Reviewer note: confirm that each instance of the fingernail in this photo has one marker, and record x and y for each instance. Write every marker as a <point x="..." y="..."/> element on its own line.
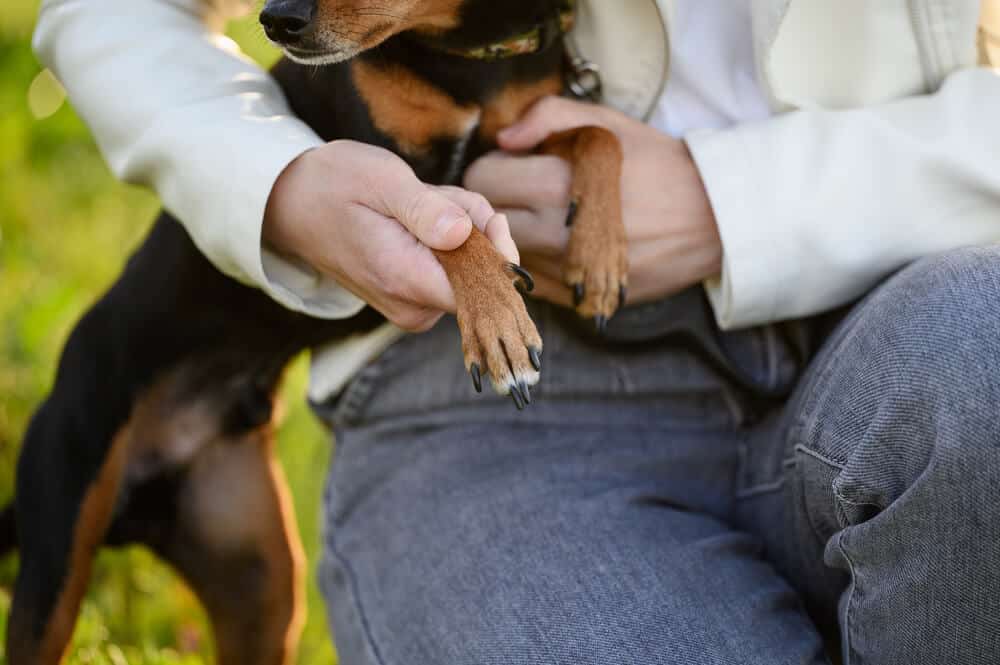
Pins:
<point x="447" y="222"/>
<point x="508" y="134"/>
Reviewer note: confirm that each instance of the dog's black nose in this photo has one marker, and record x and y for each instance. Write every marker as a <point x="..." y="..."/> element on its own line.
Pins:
<point x="285" y="21"/>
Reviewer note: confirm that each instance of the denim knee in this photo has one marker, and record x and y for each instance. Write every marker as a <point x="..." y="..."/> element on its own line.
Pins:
<point x="912" y="377"/>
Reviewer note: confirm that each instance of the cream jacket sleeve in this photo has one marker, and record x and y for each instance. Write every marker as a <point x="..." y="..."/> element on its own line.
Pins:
<point x="816" y="207"/>
<point x="174" y="106"/>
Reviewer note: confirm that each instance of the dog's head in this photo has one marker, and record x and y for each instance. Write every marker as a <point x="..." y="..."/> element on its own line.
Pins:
<point x="322" y="32"/>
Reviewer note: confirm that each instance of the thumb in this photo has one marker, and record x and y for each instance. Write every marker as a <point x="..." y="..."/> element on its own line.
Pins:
<point x="432" y="217"/>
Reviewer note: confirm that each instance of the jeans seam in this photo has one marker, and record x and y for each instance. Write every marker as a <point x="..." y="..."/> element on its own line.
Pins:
<point x="839" y="466"/>
<point x="848" y="646"/>
<point x="841" y="497"/>
<point x="746" y="491"/>
<point x="355" y="397"/>
<point x="809" y="518"/>
<point x="816" y="384"/>
<point x="762" y="488"/>
<point x="331" y="547"/>
<point x="837" y="493"/>
<point x="805" y="450"/>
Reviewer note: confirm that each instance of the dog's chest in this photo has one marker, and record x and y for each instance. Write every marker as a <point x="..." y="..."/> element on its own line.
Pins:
<point x="437" y="135"/>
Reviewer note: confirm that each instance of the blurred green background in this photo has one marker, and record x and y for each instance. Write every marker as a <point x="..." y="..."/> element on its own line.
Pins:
<point x="66" y="227"/>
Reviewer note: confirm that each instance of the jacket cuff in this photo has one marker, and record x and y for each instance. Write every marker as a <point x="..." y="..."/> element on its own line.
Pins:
<point x="292" y="283"/>
<point x="758" y="264"/>
<point x="235" y="205"/>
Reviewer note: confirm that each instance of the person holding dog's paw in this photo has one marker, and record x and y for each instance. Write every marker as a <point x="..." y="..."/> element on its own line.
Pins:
<point x="785" y="446"/>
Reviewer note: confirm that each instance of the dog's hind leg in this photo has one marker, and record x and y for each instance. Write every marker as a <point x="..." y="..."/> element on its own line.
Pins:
<point x="236" y="542"/>
<point x="8" y="530"/>
<point x="69" y="474"/>
<point x="62" y="516"/>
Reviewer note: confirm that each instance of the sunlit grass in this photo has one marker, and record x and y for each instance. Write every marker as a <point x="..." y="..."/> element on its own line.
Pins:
<point x="66" y="227"/>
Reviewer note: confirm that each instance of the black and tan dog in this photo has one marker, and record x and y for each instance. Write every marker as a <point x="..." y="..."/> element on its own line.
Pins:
<point x="158" y="430"/>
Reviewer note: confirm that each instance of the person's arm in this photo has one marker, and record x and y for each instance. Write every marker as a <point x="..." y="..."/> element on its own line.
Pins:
<point x="816" y="207"/>
<point x="174" y="106"/>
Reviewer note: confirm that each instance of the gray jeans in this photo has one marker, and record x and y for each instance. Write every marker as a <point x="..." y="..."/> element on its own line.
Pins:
<point x="679" y="495"/>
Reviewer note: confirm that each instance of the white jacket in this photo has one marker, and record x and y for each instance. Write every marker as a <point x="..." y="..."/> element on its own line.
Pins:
<point x="885" y="148"/>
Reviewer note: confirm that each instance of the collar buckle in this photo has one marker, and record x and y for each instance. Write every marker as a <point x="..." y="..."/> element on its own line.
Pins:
<point x="583" y="78"/>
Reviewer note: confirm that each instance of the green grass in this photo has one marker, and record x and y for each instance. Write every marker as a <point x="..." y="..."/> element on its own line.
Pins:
<point x="66" y="227"/>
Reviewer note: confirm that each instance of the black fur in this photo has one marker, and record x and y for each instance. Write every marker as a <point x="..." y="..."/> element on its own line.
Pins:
<point x="325" y="98"/>
<point x="172" y="311"/>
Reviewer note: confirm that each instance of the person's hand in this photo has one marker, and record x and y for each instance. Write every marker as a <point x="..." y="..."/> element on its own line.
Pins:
<point x="673" y="238"/>
<point x="358" y="214"/>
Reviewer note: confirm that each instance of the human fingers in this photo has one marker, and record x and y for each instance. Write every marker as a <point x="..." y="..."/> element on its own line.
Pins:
<point x="521" y="181"/>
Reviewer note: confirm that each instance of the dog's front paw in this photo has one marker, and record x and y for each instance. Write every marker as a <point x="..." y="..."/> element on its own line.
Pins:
<point x="499" y="340"/>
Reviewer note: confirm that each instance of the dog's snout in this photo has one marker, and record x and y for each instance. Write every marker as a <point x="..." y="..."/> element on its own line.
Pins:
<point x="286" y="21"/>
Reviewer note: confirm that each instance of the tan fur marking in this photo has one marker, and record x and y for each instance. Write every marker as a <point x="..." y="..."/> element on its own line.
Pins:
<point x="512" y="102"/>
<point x="237" y="504"/>
<point x="170" y="430"/>
<point x="354" y="25"/>
<point x="285" y="544"/>
<point x="91" y="525"/>
<point x="410" y="110"/>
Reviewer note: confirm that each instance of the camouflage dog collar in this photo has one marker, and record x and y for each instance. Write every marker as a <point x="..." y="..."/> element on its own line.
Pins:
<point x="533" y="41"/>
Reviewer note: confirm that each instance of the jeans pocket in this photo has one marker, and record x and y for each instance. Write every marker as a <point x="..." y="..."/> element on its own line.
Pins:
<point x="762" y="458"/>
<point x="816" y="479"/>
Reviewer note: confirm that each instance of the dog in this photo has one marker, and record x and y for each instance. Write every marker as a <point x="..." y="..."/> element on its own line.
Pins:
<point x="158" y="429"/>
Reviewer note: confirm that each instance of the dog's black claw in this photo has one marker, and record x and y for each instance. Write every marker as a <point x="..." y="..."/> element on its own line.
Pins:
<point x="622" y="296"/>
<point x="515" y="394"/>
<point x="601" y="322"/>
<point x="578" y="294"/>
<point x="574" y="207"/>
<point x="528" y="280"/>
<point x="477" y="377"/>
<point x="525" y="392"/>
<point x="536" y="358"/>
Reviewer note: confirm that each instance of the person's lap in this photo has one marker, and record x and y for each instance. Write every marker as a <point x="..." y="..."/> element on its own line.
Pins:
<point x="548" y="544"/>
<point x="650" y="525"/>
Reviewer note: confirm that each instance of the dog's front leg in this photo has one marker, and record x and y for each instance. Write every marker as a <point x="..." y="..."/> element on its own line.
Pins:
<point x="596" y="264"/>
<point x="498" y="336"/>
